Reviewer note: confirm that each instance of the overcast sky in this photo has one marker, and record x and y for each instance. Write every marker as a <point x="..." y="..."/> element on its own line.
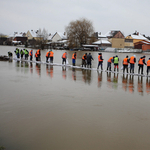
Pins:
<point x="54" y="15"/>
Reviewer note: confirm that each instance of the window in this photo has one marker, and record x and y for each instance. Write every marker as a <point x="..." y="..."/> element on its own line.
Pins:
<point x="129" y="40"/>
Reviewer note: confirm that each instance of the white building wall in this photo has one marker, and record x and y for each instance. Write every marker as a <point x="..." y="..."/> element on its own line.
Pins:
<point x="56" y="38"/>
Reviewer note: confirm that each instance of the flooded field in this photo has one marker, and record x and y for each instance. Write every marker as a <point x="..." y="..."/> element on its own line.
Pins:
<point x="45" y="107"/>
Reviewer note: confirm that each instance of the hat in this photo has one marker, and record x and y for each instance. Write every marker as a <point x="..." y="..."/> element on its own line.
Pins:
<point x="134" y="55"/>
<point x="144" y="56"/>
<point x="51" y="50"/>
<point x="116" y="55"/>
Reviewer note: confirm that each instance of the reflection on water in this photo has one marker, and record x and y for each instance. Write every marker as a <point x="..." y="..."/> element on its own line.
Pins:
<point x="64" y="72"/>
<point x="99" y="78"/>
<point x="125" y="82"/>
<point x="115" y="80"/>
<point x="147" y="85"/>
<point x="131" y="84"/>
<point x="86" y="76"/>
<point x="31" y="67"/>
<point x="128" y="81"/>
<point x="109" y="80"/>
<point x="17" y="63"/>
<point x="74" y="74"/>
<point x="38" y="69"/>
<point x="49" y="70"/>
<point x="140" y="85"/>
<point x="26" y="64"/>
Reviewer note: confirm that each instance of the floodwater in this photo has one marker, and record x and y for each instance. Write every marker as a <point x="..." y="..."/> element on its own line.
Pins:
<point x="45" y="107"/>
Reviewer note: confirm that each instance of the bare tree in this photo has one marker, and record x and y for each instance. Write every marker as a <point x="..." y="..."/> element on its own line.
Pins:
<point x="42" y="37"/>
<point x="79" y="32"/>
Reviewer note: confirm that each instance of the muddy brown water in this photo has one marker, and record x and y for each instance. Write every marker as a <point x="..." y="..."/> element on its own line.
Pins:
<point x="61" y="108"/>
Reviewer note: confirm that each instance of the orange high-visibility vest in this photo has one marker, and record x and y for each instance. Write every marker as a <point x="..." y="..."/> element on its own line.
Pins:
<point x="36" y="55"/>
<point x="51" y="54"/>
<point x="31" y="53"/>
<point x="99" y="59"/>
<point x="64" y="55"/>
<point x="141" y="61"/>
<point x="38" y="52"/>
<point x="84" y="57"/>
<point x="148" y="63"/>
<point x="109" y="60"/>
<point x="73" y="56"/>
<point x="125" y="61"/>
<point x="132" y="60"/>
<point x="47" y="54"/>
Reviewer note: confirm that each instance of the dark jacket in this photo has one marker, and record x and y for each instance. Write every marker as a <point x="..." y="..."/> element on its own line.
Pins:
<point x="89" y="58"/>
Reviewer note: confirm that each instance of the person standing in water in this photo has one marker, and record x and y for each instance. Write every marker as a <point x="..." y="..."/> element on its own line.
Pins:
<point x="116" y="63"/>
<point x="132" y="61"/>
<point x="84" y="58"/>
<point x="74" y="56"/>
<point x="89" y="60"/>
<point x="100" y="61"/>
<point x="125" y="64"/>
<point x="64" y="57"/>
<point x="51" y="56"/>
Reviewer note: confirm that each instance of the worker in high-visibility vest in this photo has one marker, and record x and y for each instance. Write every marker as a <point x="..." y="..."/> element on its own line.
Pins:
<point x="64" y="57"/>
<point x="39" y="54"/>
<point x="116" y="63"/>
<point x="100" y="61"/>
<point x="51" y="56"/>
<point x="110" y="60"/>
<point x="74" y="56"/>
<point x="10" y="54"/>
<point x="141" y="64"/>
<point x="84" y="58"/>
<point x="47" y="56"/>
<point x="31" y="54"/>
<point x="26" y="54"/>
<point x="132" y="61"/>
<point x="125" y="64"/>
<point x="21" y="53"/>
<point x="148" y="66"/>
<point x="36" y="56"/>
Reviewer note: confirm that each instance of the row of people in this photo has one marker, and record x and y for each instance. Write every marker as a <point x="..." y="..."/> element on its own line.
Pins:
<point x="87" y="59"/>
<point x="21" y="53"/>
<point x="129" y="63"/>
<point x="115" y="60"/>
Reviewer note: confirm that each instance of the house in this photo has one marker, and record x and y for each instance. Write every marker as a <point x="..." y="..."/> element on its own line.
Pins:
<point x="59" y="39"/>
<point x="19" y="38"/>
<point x="32" y="35"/>
<point x="59" y="36"/>
<point x="130" y="40"/>
<point x="102" y="41"/>
<point x="144" y="45"/>
<point x="116" y="38"/>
